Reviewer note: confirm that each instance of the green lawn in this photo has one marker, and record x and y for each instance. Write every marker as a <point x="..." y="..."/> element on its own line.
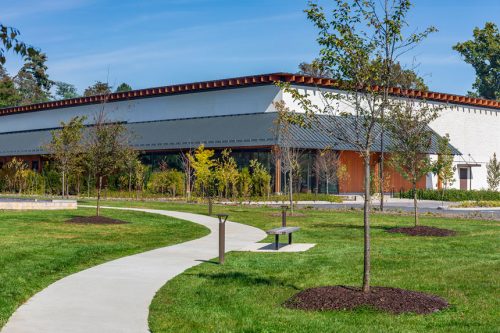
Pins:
<point x="38" y="248"/>
<point x="246" y="294"/>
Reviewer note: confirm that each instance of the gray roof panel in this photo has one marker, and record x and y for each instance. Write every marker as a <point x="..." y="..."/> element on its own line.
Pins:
<point x="248" y="130"/>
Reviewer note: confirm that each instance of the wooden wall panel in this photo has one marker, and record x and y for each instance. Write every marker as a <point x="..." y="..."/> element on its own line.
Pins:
<point x="354" y="182"/>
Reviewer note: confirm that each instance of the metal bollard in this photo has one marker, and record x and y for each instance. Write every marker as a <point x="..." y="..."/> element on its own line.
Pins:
<point x="283" y="215"/>
<point x="222" y="236"/>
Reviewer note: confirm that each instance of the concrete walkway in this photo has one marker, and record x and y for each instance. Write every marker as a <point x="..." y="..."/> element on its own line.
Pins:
<point x="115" y="296"/>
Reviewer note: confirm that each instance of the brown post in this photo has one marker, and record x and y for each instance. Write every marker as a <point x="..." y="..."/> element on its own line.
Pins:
<point x="283" y="215"/>
<point x="222" y="236"/>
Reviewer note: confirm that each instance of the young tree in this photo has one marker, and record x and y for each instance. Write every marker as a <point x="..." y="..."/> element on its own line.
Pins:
<point x="483" y="53"/>
<point x="139" y="176"/>
<point x="99" y="88"/>
<point x="226" y="174"/>
<point x="65" y="148"/>
<point x="287" y="152"/>
<point x="261" y="179"/>
<point x="15" y="173"/>
<point x="443" y="166"/>
<point x="360" y="43"/>
<point x="106" y="148"/>
<point x="326" y="166"/>
<point x="188" y="172"/>
<point x="245" y="183"/>
<point x="493" y="173"/>
<point x="412" y="139"/>
<point x="202" y="163"/>
<point x="131" y="162"/>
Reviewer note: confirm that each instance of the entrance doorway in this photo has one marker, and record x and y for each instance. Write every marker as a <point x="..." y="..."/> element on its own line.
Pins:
<point x="464" y="178"/>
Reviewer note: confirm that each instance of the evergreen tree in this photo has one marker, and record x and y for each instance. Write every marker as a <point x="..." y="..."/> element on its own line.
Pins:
<point x="123" y="87"/>
<point x="493" y="173"/>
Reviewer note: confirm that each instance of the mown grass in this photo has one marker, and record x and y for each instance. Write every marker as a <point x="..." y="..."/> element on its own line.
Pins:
<point x="247" y="293"/>
<point x="38" y="248"/>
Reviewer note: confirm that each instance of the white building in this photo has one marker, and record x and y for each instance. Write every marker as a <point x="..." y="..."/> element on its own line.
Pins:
<point x="237" y="113"/>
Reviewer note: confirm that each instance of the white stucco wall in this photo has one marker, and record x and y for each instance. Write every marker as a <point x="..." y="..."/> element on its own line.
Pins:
<point x="474" y="131"/>
<point x="190" y="105"/>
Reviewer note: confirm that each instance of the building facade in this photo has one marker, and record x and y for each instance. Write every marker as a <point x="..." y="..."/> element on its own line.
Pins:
<point x="240" y="114"/>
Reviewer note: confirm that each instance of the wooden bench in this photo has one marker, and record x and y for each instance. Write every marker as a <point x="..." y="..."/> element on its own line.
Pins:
<point x="282" y="231"/>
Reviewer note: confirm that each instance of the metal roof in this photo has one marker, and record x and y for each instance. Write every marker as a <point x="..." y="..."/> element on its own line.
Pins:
<point x="234" y="131"/>
<point x="239" y="82"/>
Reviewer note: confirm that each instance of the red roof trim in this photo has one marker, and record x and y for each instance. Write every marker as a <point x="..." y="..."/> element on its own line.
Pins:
<point x="242" y="82"/>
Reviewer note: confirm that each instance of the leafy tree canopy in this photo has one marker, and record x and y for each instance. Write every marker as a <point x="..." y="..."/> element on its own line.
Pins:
<point x="9" y="95"/>
<point x="10" y="42"/>
<point x="123" y="87"/>
<point x="400" y="77"/>
<point x="99" y="88"/>
<point x="32" y="80"/>
<point x="483" y="53"/>
<point x="65" y="90"/>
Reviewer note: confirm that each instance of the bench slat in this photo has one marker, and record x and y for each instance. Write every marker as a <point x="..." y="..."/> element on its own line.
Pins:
<point x="282" y="230"/>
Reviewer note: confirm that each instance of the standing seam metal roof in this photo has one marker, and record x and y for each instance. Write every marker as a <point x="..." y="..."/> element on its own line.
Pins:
<point x="245" y="130"/>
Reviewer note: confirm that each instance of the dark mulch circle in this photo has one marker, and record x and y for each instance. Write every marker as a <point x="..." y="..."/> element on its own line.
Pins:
<point x="392" y="300"/>
<point x="94" y="220"/>
<point x="423" y="231"/>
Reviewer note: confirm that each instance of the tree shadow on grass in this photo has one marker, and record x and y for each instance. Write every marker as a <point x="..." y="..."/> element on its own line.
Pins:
<point x="347" y="226"/>
<point x="214" y="262"/>
<point x="245" y="279"/>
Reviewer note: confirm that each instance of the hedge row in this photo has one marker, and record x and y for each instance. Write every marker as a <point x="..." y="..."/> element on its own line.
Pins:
<point x="454" y="195"/>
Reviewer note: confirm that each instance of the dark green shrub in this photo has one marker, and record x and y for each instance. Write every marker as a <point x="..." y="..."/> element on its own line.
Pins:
<point x="453" y="195"/>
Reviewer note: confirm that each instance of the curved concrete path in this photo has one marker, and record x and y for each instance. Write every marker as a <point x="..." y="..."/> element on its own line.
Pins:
<point x="115" y="296"/>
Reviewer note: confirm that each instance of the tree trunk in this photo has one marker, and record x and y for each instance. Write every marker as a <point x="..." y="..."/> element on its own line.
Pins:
<point x="130" y="183"/>
<point x="415" y="204"/>
<point x="317" y="184"/>
<point x="366" y="221"/>
<point x="99" y="196"/>
<point x="88" y="186"/>
<point x="63" y="183"/>
<point x="78" y="185"/>
<point x="290" y="190"/>
<point x="382" y="178"/>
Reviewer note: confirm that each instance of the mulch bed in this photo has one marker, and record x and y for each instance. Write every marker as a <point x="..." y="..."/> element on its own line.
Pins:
<point x="94" y="220"/>
<point x="423" y="231"/>
<point x="392" y="300"/>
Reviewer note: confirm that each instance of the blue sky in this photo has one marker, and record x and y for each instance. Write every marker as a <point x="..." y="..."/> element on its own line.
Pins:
<point x="153" y="43"/>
